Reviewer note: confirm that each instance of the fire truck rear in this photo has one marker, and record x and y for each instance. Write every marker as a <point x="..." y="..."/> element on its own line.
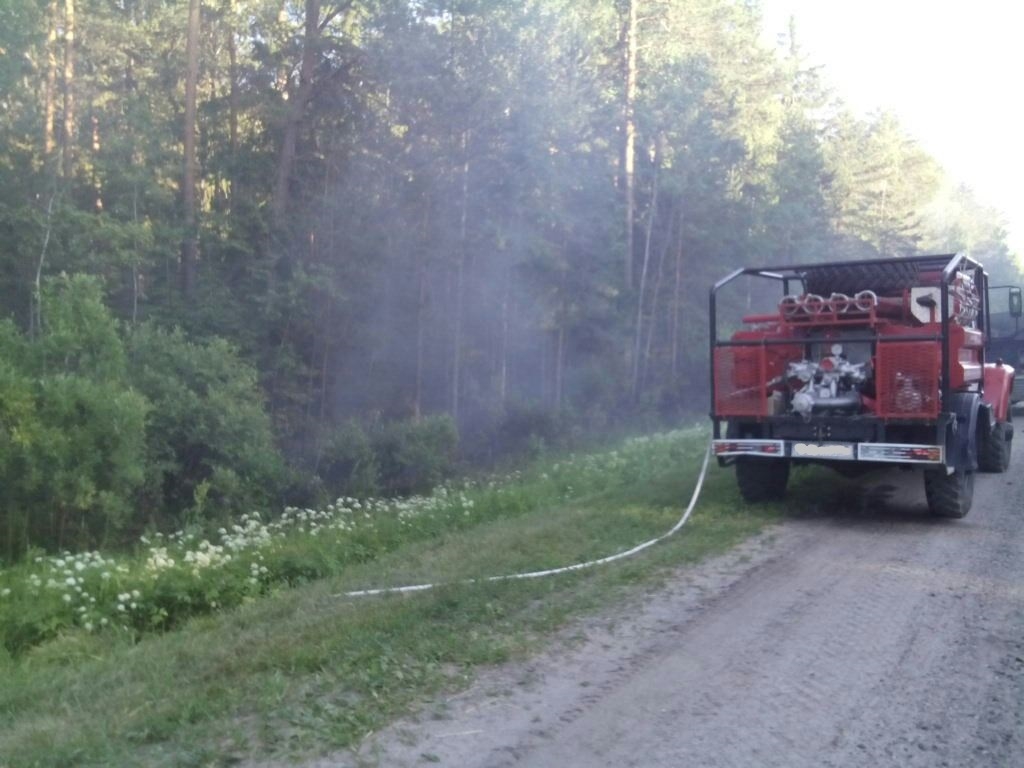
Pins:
<point x="856" y="365"/>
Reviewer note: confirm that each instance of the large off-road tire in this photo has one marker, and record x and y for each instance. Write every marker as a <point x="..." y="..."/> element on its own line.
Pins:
<point x="891" y="277"/>
<point x="949" y="495"/>
<point x="994" y="449"/>
<point x="761" y="479"/>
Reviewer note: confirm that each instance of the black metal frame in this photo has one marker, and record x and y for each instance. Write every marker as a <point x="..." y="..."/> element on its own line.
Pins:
<point x="949" y="264"/>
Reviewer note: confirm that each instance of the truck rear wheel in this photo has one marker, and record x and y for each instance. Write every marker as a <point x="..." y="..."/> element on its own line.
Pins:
<point x="761" y="479"/>
<point x="949" y="495"/>
<point x="994" y="450"/>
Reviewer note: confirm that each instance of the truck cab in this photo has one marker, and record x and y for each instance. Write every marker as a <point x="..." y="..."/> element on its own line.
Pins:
<point x="1006" y="335"/>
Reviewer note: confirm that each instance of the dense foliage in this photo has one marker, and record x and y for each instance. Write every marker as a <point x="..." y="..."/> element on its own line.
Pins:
<point x="108" y="430"/>
<point x="506" y="212"/>
<point x="171" y="578"/>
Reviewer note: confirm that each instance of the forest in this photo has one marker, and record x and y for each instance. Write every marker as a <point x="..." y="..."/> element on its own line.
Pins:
<point x="259" y="253"/>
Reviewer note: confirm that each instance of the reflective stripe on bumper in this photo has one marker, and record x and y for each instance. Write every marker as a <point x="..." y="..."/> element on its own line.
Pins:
<point x="898" y="453"/>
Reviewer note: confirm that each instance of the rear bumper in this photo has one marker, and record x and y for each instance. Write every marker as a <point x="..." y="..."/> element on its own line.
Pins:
<point x="800" y="450"/>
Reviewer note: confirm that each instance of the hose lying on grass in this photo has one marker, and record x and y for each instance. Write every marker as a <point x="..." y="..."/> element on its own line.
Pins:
<point x="564" y="569"/>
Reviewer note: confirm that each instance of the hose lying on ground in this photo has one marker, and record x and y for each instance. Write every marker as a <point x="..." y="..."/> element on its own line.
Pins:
<point x="564" y="569"/>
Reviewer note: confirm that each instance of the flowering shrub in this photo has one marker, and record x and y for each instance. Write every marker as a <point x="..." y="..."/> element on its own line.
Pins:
<point x="173" y="577"/>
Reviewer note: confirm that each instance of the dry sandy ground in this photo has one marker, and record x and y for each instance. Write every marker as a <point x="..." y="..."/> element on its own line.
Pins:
<point x="875" y="638"/>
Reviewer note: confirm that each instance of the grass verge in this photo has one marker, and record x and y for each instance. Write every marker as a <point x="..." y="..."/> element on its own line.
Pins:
<point x="302" y="670"/>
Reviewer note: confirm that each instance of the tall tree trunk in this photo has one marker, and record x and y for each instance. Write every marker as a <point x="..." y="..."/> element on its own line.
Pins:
<point x="97" y="183"/>
<point x="190" y="243"/>
<point x="311" y="258"/>
<point x="36" y="307"/>
<point x="562" y="321"/>
<point x="543" y="378"/>
<point x="324" y="365"/>
<point x="656" y="293"/>
<point x="297" y="108"/>
<point x="232" y="106"/>
<point x="68" y="158"/>
<point x="460" y="279"/>
<point x="421" y="312"/>
<point x="503" y="343"/>
<point x="560" y="361"/>
<point x="50" y="92"/>
<point x="136" y="278"/>
<point x="638" y="335"/>
<point x="676" y="291"/>
<point x="629" y="151"/>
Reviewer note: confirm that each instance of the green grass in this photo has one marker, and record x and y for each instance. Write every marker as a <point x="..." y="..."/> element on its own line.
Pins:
<point x="301" y="669"/>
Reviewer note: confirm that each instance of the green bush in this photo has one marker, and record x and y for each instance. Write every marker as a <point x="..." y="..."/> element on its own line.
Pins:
<point x="101" y="434"/>
<point x="71" y="427"/>
<point x="396" y="458"/>
<point x="349" y="466"/>
<point x="209" y="444"/>
<point x="527" y="430"/>
<point x="415" y="456"/>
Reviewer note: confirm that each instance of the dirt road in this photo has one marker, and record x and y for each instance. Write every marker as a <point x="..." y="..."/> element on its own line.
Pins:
<point x="871" y="638"/>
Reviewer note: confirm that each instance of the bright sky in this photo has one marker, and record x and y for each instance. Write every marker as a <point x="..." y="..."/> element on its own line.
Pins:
<point x="951" y="70"/>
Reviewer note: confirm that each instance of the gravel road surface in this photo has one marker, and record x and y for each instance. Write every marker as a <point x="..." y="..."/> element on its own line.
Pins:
<point x="876" y="637"/>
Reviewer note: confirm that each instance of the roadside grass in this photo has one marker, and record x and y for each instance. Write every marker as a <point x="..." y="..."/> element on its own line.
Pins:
<point x="302" y="669"/>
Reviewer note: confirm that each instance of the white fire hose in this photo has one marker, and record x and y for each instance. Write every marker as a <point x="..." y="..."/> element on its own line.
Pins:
<point x="564" y="569"/>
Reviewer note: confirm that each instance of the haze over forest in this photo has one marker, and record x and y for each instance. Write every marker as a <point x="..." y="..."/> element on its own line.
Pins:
<point x="368" y="217"/>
